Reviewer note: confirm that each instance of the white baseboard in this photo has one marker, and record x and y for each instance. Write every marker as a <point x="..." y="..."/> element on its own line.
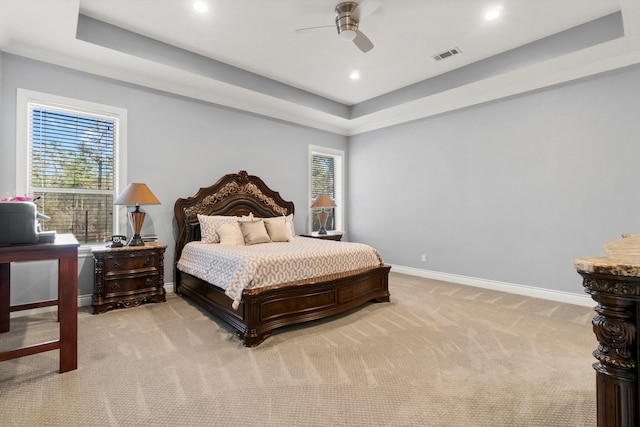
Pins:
<point x="530" y="291"/>
<point x="83" y="301"/>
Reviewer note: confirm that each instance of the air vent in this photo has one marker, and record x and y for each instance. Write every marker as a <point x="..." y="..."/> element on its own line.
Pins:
<point x="447" y="54"/>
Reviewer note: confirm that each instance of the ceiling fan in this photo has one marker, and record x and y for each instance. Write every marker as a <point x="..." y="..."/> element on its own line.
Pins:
<point x="347" y="20"/>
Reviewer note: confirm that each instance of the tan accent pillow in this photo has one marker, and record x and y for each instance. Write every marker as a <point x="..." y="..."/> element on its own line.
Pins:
<point x="278" y="229"/>
<point x="209" y="226"/>
<point x="289" y="219"/>
<point x="254" y="232"/>
<point x="230" y="234"/>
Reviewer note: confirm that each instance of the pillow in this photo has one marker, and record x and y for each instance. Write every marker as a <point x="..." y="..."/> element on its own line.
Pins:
<point x="289" y="219"/>
<point x="254" y="232"/>
<point x="209" y="225"/>
<point x="278" y="229"/>
<point x="230" y="234"/>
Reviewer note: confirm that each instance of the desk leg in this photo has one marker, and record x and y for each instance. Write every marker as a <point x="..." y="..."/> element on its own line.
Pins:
<point x="5" y="296"/>
<point x="68" y="312"/>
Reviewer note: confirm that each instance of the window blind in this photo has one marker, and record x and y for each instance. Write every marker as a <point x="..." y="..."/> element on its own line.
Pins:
<point x="72" y="170"/>
<point x="323" y="181"/>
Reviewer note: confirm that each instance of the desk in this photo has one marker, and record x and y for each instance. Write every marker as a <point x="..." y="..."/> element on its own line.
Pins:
<point x="65" y="250"/>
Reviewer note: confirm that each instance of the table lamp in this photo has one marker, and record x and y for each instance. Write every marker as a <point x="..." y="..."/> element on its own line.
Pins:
<point x="136" y="194"/>
<point x="323" y="201"/>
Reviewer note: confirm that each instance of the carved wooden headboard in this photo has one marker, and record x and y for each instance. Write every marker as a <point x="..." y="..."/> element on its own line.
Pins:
<point x="235" y="194"/>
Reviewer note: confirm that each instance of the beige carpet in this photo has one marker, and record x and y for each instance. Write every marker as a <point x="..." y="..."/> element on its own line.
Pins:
<point x="439" y="354"/>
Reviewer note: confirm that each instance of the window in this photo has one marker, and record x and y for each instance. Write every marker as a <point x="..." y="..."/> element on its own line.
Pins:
<point x="325" y="166"/>
<point x="69" y="160"/>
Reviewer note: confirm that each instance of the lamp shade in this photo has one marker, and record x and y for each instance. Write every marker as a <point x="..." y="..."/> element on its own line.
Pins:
<point x="137" y="194"/>
<point x="323" y="201"/>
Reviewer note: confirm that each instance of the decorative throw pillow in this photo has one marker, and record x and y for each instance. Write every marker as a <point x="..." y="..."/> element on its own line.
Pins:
<point x="209" y="225"/>
<point x="230" y="234"/>
<point x="292" y="230"/>
<point x="254" y="232"/>
<point x="278" y="229"/>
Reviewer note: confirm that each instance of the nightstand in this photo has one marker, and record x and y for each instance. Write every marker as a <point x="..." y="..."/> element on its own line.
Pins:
<point x="331" y="235"/>
<point x="128" y="276"/>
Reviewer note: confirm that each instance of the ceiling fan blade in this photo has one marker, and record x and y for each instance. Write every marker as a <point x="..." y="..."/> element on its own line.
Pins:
<point x="304" y="30"/>
<point x="363" y="42"/>
<point x="367" y="7"/>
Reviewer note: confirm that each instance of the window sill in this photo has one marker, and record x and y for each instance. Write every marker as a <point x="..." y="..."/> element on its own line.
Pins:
<point x="85" y="249"/>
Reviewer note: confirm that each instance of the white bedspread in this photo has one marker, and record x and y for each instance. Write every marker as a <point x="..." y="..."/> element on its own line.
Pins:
<point x="235" y="268"/>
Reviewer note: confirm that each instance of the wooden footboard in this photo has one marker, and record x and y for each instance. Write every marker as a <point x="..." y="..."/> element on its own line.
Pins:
<point x="260" y="312"/>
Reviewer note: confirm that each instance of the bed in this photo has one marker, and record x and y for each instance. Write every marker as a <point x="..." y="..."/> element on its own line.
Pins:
<point x="254" y="312"/>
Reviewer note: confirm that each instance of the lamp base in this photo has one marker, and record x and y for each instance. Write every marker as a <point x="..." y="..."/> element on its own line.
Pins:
<point x="136" y="218"/>
<point x="136" y="240"/>
<point x="322" y="216"/>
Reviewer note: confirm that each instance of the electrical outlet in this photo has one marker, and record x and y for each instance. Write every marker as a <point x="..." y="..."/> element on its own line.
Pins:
<point x="424" y="258"/>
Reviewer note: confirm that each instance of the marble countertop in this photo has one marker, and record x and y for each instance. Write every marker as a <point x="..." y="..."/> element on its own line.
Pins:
<point x="622" y="258"/>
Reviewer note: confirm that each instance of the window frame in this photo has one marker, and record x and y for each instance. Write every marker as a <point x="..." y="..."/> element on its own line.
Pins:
<point x="339" y="210"/>
<point x="26" y="97"/>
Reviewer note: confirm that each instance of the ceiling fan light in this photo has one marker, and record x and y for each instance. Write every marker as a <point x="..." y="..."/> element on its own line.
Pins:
<point x="348" y="35"/>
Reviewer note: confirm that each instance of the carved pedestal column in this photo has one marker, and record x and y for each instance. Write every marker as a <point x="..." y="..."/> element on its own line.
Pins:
<point x="616" y="378"/>
<point x="614" y="283"/>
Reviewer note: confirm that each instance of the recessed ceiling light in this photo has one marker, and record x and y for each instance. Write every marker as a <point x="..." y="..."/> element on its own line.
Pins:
<point x="200" y="6"/>
<point x="493" y="13"/>
<point x="355" y="75"/>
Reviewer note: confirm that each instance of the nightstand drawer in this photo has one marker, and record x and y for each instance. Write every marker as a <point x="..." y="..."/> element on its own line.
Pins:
<point x="128" y="262"/>
<point x="117" y="287"/>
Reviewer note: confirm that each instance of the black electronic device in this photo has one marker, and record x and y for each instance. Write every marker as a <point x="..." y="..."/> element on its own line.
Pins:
<point x="117" y="240"/>
<point x="18" y="223"/>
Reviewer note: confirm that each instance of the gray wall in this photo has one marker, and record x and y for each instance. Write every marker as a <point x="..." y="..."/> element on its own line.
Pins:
<point x="175" y="145"/>
<point x="511" y="191"/>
